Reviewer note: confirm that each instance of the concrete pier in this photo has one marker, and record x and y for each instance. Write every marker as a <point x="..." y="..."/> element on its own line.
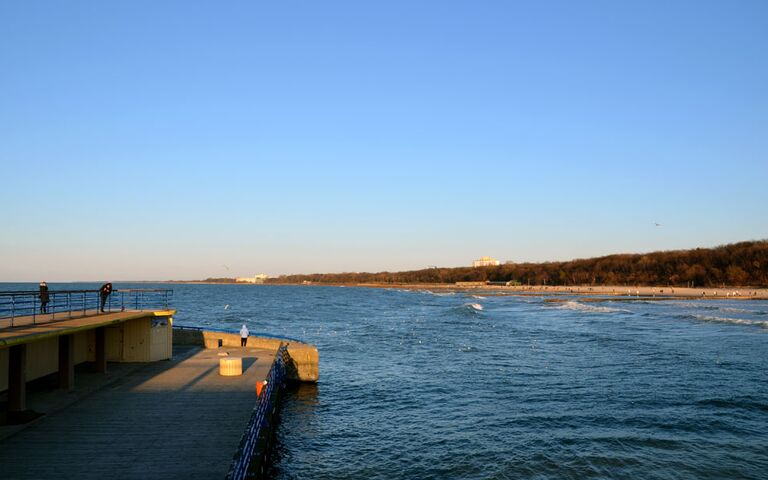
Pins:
<point x="161" y="410"/>
<point x="170" y="419"/>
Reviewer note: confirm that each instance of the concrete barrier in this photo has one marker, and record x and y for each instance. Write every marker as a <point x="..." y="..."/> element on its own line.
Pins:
<point x="302" y="363"/>
<point x="231" y="366"/>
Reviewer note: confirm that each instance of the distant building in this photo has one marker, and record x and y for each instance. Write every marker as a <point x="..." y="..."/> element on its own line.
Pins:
<point x="485" y="262"/>
<point x="260" y="278"/>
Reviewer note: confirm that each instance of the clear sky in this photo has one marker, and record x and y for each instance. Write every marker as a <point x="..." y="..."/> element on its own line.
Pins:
<point x="167" y="140"/>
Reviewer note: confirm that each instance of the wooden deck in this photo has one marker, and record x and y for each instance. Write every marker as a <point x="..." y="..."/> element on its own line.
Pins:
<point x="24" y="330"/>
<point x="169" y="419"/>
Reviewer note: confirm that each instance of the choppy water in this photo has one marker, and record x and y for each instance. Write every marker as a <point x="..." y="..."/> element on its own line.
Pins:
<point x="416" y="385"/>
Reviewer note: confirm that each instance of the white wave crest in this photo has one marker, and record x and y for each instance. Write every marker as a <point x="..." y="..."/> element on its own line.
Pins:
<point x="474" y="306"/>
<point x="573" y="305"/>
<point x="479" y="297"/>
<point x="735" y="321"/>
<point x="741" y="310"/>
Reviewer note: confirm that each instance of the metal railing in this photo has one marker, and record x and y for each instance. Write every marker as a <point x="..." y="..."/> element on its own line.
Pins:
<point x="63" y="304"/>
<point x="253" y="442"/>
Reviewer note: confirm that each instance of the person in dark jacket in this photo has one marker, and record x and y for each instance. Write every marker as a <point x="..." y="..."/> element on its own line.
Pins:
<point x="44" y="297"/>
<point x="104" y="292"/>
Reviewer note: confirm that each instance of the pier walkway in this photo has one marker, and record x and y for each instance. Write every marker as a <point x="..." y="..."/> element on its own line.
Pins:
<point x="169" y="419"/>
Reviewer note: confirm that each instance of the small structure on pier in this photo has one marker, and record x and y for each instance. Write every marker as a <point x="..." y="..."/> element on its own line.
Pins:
<point x="135" y="327"/>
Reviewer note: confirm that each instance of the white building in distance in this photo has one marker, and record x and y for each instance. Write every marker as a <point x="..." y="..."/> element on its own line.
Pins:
<point x="485" y="262"/>
<point x="259" y="278"/>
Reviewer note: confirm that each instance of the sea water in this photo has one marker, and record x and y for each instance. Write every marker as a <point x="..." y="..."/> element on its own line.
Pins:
<point x="432" y="385"/>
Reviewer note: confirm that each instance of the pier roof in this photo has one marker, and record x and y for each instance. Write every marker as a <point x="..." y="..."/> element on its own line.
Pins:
<point x="24" y="330"/>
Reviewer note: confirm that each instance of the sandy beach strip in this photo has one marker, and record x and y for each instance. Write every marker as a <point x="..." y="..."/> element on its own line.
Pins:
<point x="737" y="293"/>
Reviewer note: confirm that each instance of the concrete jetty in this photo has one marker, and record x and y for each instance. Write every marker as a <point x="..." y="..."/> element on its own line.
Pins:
<point x="149" y="415"/>
<point x="175" y="419"/>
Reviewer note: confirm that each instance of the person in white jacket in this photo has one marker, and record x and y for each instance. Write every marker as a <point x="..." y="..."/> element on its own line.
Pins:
<point x="244" y="335"/>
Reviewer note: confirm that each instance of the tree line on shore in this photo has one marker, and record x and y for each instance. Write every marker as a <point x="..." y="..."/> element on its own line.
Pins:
<point x="738" y="264"/>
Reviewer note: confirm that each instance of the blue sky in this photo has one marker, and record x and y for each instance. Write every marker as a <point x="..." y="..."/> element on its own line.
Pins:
<point x="164" y="140"/>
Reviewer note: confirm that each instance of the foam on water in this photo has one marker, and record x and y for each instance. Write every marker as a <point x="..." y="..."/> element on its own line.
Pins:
<point x="735" y="321"/>
<point x="696" y="305"/>
<point x="581" y="307"/>
<point x="472" y="307"/>
<point x="742" y="310"/>
<point x="475" y="306"/>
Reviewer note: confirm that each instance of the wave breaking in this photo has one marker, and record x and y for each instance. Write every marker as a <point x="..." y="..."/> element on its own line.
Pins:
<point x="473" y="307"/>
<point x="731" y="320"/>
<point x="581" y="307"/>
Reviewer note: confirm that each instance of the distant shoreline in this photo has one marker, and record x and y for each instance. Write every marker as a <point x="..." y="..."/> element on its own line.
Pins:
<point x="728" y="292"/>
<point x="738" y="293"/>
<point x="615" y="290"/>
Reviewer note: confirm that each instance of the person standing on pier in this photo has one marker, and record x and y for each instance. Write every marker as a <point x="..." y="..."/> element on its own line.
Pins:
<point x="244" y="335"/>
<point x="44" y="297"/>
<point x="104" y="292"/>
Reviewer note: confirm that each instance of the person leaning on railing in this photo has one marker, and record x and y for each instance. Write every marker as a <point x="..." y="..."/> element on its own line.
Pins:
<point x="44" y="297"/>
<point x="104" y="292"/>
